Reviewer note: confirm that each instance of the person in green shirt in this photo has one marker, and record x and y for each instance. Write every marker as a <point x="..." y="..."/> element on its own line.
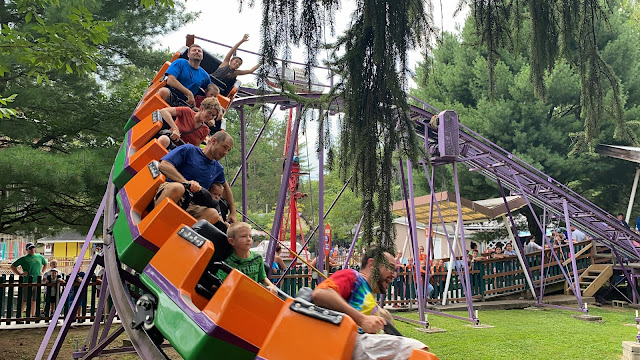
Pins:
<point x="32" y="264"/>
<point x="244" y="260"/>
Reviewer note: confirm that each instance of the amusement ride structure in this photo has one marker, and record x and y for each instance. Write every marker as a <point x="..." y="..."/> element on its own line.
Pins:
<point x="159" y="262"/>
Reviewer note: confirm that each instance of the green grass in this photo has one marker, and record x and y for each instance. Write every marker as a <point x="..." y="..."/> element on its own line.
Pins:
<point x="526" y="334"/>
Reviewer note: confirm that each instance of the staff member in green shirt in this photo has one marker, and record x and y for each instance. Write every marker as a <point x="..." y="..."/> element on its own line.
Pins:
<point x="32" y="264"/>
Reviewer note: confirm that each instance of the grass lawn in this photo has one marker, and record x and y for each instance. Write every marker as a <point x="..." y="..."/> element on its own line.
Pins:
<point x="527" y="334"/>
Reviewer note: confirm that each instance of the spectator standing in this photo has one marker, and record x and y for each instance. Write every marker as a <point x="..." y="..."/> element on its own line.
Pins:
<point x="31" y="264"/>
<point x="509" y="250"/>
<point x="577" y="235"/>
<point x="498" y="254"/>
<point x="53" y="279"/>
<point x="621" y="220"/>
<point x="531" y="246"/>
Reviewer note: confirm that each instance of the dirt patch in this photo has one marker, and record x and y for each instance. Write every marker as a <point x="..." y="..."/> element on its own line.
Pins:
<point x="23" y="344"/>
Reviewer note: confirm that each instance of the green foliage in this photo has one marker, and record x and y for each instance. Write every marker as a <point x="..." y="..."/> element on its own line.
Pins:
<point x="5" y="112"/>
<point x="65" y="42"/>
<point x="264" y="166"/>
<point x="537" y="130"/>
<point x="561" y="30"/>
<point x="373" y="69"/>
<point x="60" y="146"/>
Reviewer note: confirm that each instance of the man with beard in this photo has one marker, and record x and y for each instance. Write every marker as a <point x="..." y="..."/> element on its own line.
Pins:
<point x="351" y="292"/>
<point x="185" y="78"/>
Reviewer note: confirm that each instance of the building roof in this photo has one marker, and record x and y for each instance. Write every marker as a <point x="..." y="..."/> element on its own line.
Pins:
<point x="67" y="236"/>
<point x="472" y="211"/>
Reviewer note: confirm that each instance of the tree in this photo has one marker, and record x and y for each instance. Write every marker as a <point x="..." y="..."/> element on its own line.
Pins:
<point x="373" y="69"/>
<point x="559" y="30"/>
<point x="536" y="130"/>
<point x="58" y="148"/>
<point x="264" y="167"/>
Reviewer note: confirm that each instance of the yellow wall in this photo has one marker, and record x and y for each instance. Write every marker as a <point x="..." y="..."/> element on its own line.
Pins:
<point x="68" y="250"/>
<point x="59" y="250"/>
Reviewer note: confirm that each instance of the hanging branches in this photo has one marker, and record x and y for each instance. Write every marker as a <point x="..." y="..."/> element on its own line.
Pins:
<point x="559" y="29"/>
<point x="374" y="71"/>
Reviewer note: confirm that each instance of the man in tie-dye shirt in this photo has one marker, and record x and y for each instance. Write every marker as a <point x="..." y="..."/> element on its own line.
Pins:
<point x="351" y="292"/>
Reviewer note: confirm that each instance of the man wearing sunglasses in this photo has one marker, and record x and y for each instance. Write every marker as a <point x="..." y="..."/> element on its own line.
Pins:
<point x="351" y="292"/>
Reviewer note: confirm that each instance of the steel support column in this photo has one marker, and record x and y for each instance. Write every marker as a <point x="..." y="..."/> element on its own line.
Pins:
<point x="284" y="187"/>
<point x="353" y="244"/>
<point x="243" y="160"/>
<point x="576" y="281"/>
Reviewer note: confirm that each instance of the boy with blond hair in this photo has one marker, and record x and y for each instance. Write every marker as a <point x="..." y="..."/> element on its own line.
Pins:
<point x="243" y="259"/>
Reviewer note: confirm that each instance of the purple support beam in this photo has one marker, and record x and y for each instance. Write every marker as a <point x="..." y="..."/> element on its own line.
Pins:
<point x="414" y="239"/>
<point x="108" y="323"/>
<point x="264" y="126"/>
<point x="284" y="187"/>
<point x="353" y="244"/>
<point x="430" y="180"/>
<point x="626" y="275"/>
<point x="102" y="299"/>
<point x="427" y="275"/>
<point x="316" y="229"/>
<point x="321" y="244"/>
<point x="576" y="281"/>
<point x="542" y="256"/>
<point x="525" y="261"/>
<point x="103" y="344"/>
<point x="67" y="289"/>
<point x="243" y="165"/>
<point x="71" y="315"/>
<point x="463" y="246"/>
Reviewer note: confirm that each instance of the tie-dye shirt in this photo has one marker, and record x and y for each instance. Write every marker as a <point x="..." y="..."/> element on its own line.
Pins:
<point x="354" y="288"/>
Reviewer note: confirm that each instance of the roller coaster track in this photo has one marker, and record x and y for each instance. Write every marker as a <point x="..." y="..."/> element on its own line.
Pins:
<point x="475" y="151"/>
<point x="482" y="156"/>
<point x="118" y="288"/>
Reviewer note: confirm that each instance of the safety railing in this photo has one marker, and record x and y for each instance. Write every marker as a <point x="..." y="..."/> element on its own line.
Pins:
<point x="489" y="277"/>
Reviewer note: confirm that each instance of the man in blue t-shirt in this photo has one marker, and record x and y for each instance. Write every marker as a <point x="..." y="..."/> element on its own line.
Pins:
<point x="185" y="78"/>
<point x="201" y="169"/>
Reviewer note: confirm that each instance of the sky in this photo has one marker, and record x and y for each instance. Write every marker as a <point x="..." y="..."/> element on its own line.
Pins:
<point x="225" y="16"/>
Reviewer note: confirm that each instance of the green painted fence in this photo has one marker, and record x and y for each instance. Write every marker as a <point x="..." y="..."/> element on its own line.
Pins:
<point x="15" y="290"/>
<point x="489" y="277"/>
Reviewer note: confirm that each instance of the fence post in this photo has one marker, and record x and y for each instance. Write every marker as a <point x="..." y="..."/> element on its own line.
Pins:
<point x="21" y="294"/>
<point x="3" y="302"/>
<point x="483" y="283"/>
<point x="10" y="299"/>
<point x="38" y="298"/>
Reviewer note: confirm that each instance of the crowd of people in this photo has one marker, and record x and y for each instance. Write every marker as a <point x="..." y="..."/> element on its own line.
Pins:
<point x="52" y="278"/>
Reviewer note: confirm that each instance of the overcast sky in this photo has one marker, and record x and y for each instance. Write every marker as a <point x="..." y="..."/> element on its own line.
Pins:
<point x="224" y="23"/>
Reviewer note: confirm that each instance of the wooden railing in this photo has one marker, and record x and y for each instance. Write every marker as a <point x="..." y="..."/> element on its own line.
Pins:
<point x="489" y="277"/>
<point x="15" y="290"/>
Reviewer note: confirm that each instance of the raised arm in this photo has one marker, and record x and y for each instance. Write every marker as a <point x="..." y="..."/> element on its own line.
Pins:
<point x="250" y="71"/>
<point x="233" y="50"/>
